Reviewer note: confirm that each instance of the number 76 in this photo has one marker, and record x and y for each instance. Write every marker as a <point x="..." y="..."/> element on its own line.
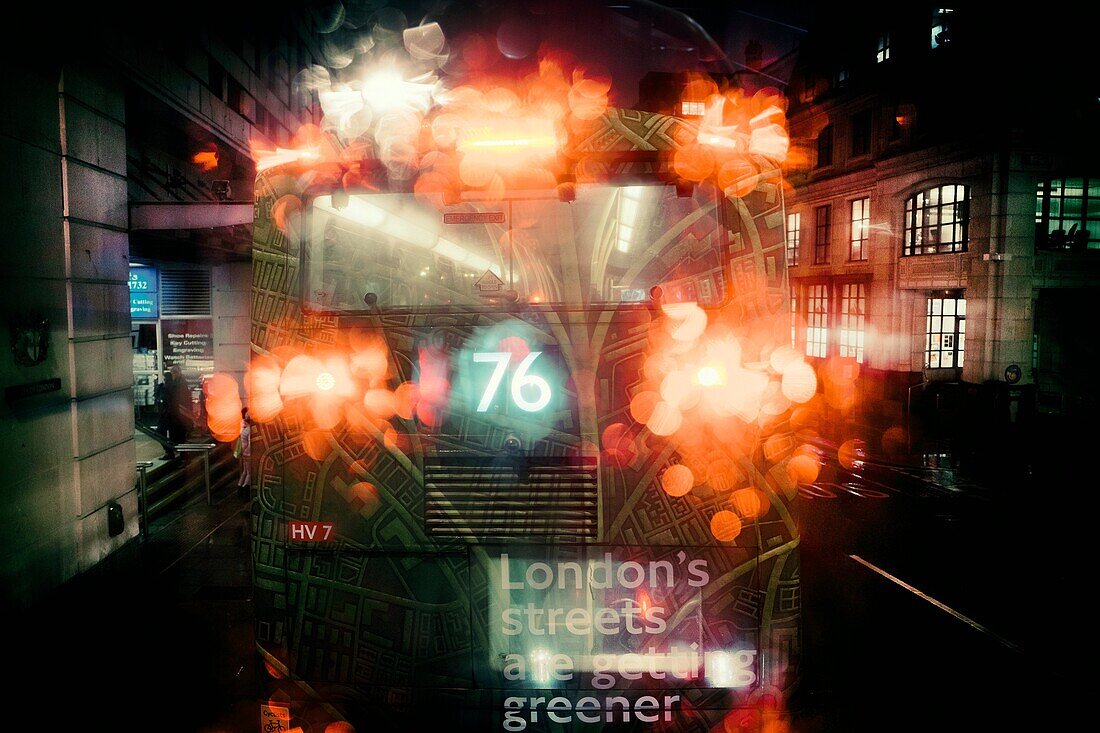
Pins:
<point x="520" y="380"/>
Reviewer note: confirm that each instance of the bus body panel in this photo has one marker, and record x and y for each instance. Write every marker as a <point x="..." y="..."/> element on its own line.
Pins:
<point x="397" y="617"/>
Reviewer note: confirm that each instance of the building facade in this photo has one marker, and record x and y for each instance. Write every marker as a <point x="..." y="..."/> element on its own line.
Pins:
<point x="943" y="221"/>
<point x="125" y="147"/>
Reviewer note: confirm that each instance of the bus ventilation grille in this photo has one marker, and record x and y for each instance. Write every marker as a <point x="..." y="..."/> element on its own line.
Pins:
<point x="485" y="497"/>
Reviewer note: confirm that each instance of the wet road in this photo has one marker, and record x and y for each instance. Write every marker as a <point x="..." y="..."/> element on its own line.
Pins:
<point x="936" y="599"/>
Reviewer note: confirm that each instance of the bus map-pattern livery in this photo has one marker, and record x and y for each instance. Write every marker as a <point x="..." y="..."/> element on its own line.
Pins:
<point x="523" y="458"/>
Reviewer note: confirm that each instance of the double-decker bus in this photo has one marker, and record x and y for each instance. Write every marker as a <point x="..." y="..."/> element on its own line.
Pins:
<point x="522" y="452"/>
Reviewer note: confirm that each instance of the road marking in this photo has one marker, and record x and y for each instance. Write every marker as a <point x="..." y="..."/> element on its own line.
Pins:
<point x="942" y="606"/>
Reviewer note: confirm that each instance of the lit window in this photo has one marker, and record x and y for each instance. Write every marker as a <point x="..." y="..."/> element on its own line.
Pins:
<point x="937" y="220"/>
<point x="628" y="216"/>
<point x="883" y="51"/>
<point x="693" y="109"/>
<point x="1067" y="213"/>
<point x="794" y="238"/>
<point x="821" y="234"/>
<point x="941" y="26"/>
<point x="853" y="307"/>
<point x="794" y="316"/>
<point x="817" y="320"/>
<point x="945" y="332"/>
<point x="825" y="147"/>
<point x="861" y="228"/>
<point x="861" y="133"/>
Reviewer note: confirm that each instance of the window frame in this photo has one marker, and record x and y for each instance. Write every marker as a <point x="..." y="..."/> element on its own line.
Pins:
<point x="845" y="295"/>
<point x="794" y="244"/>
<point x="795" y="300"/>
<point x="941" y="21"/>
<point x="824" y="139"/>
<point x="957" y="332"/>
<point x="882" y="47"/>
<point x="864" y="240"/>
<point x="308" y="307"/>
<point x="1044" y="200"/>
<point x="866" y="133"/>
<point x="820" y="230"/>
<point x="818" y="323"/>
<point x="916" y="206"/>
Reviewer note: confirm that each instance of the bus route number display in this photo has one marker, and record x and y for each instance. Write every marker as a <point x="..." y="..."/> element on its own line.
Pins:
<point x="528" y="392"/>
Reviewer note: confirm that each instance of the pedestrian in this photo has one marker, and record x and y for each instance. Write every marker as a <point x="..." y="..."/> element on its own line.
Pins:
<point x="179" y="409"/>
<point x="160" y="399"/>
<point x="243" y="452"/>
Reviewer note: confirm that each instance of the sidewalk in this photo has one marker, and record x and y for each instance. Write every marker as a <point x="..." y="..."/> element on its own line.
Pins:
<point x="159" y="636"/>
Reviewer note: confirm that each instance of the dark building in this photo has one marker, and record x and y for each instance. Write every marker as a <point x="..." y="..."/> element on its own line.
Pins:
<point x="128" y="142"/>
<point x="944" y="220"/>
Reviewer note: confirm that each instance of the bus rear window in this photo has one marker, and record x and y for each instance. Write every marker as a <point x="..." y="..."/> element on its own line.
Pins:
<point x="612" y="244"/>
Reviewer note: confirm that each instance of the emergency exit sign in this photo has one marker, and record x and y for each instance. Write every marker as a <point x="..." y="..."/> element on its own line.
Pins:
<point x="311" y="531"/>
<point x="474" y="217"/>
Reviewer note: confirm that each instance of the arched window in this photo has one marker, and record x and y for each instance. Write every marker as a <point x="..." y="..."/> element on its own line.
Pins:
<point x="937" y="220"/>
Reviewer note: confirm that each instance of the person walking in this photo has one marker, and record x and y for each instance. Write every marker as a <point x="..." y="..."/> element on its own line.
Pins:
<point x="178" y="408"/>
<point x="160" y="399"/>
<point x="243" y="453"/>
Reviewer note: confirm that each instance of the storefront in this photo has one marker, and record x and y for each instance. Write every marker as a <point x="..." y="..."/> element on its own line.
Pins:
<point x="171" y="325"/>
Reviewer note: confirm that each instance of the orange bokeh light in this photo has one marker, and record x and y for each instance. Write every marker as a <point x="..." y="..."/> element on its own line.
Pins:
<point x="207" y="159"/>
<point x="340" y="726"/>
<point x="380" y="403"/>
<point x="618" y="445"/>
<point x="642" y="404"/>
<point x="223" y="407"/>
<point x="894" y="440"/>
<point x="721" y="473"/>
<point x="693" y="162"/>
<point x="750" y="503"/>
<point x="677" y="480"/>
<point x="852" y="453"/>
<point x="799" y="382"/>
<point x="725" y="526"/>
<point x="803" y="469"/>
<point x="406" y="396"/>
<point x="665" y="420"/>
<point x="316" y="444"/>
<point x="364" y="498"/>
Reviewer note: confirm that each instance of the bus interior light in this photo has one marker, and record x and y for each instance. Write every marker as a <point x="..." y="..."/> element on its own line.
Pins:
<point x="523" y="135"/>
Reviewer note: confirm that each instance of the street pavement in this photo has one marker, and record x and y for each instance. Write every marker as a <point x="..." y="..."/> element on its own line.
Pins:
<point x="158" y="637"/>
<point x="943" y="591"/>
